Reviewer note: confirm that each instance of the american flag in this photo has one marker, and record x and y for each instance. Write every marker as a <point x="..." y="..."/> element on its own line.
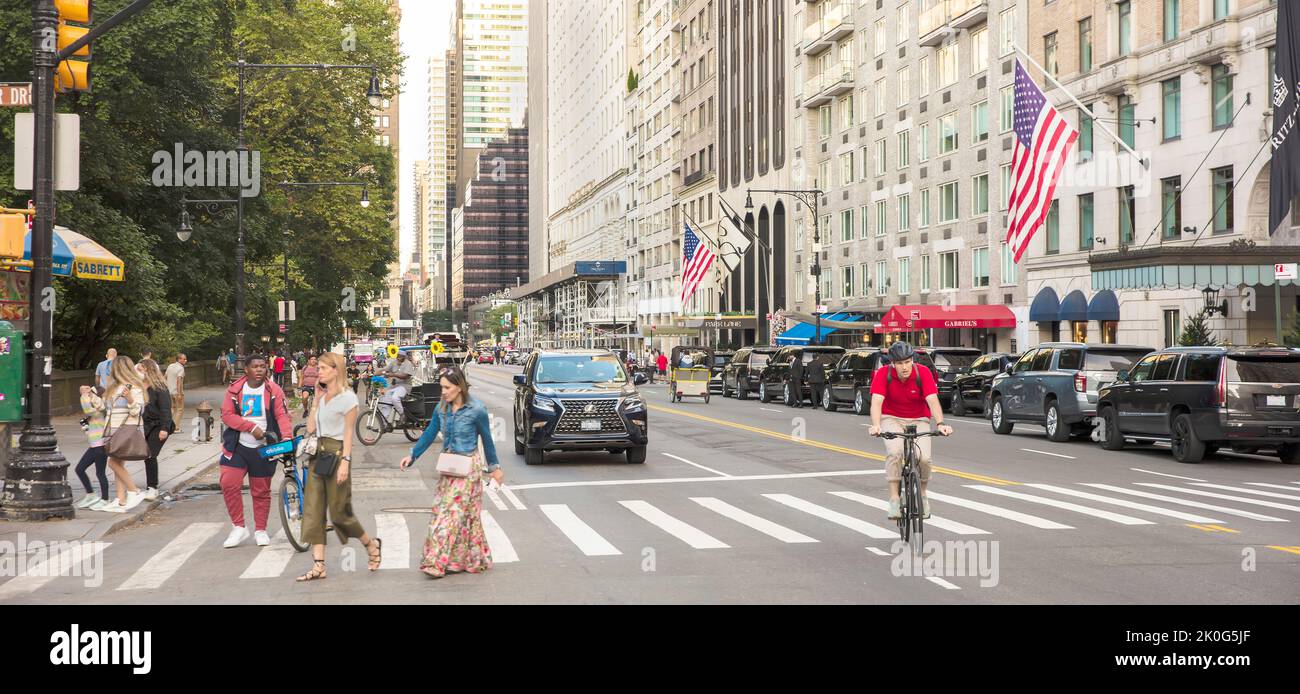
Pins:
<point x="698" y="261"/>
<point x="1043" y="138"/>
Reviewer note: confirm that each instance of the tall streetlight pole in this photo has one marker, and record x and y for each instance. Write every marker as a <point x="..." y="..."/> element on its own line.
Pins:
<point x="810" y="198"/>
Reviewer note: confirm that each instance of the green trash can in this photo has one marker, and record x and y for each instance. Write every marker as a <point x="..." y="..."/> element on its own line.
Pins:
<point x="13" y="373"/>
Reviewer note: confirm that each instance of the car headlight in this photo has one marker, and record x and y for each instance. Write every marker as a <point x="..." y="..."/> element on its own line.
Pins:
<point x="542" y="402"/>
<point x="634" y="403"/>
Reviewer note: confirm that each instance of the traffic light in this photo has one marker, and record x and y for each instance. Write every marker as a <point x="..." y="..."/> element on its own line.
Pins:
<point x="73" y="75"/>
<point x="13" y="232"/>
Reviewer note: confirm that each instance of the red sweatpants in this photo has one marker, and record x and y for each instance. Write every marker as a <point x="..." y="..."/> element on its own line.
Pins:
<point x="232" y="490"/>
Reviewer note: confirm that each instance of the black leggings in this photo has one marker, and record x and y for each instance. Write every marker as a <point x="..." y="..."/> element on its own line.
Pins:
<point x="98" y="457"/>
<point x="151" y="463"/>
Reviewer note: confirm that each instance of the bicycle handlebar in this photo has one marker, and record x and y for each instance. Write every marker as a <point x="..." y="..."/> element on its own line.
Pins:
<point x="901" y="435"/>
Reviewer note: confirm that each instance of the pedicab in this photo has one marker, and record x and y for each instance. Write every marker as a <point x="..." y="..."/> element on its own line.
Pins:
<point x="689" y="378"/>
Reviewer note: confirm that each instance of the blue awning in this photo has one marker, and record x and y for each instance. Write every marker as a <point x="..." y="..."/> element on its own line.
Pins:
<point x="1074" y="307"/>
<point x="1104" y="306"/>
<point x="802" y="333"/>
<point x="1046" y="307"/>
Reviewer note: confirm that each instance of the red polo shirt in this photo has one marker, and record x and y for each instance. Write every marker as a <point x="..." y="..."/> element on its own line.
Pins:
<point x="902" y="397"/>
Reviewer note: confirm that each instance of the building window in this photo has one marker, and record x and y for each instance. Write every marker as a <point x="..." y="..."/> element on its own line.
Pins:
<point x="948" y="270"/>
<point x="798" y="235"/>
<point x="1171" y="208"/>
<point x="882" y="277"/>
<point x="1221" y="9"/>
<point x="1005" y="190"/>
<point x="1223" y="200"/>
<point x="980" y="267"/>
<point x="1171" y="20"/>
<point x="1127" y="220"/>
<point x="925" y="208"/>
<point x="824" y="121"/>
<point x="979" y="50"/>
<point x="923" y="143"/>
<point x="980" y="195"/>
<point x="948" y="133"/>
<point x="865" y="212"/>
<point x="923" y="67"/>
<point x="925" y="273"/>
<point x="828" y="285"/>
<point x="1085" y="222"/>
<point x="881" y="39"/>
<point x="904" y="23"/>
<point x="1008" y="265"/>
<point x="1127" y="124"/>
<point x="948" y="65"/>
<point x="979" y="120"/>
<point x="1085" y="136"/>
<point x="846" y="225"/>
<point x="1007" y="27"/>
<point x="882" y="154"/>
<point x="1085" y="44"/>
<point x="904" y="212"/>
<point x="880" y="218"/>
<point x="1173" y="327"/>
<point x="1221" y="78"/>
<point x="1054" y="228"/>
<point x="1008" y="108"/>
<point x="904" y="276"/>
<point x="846" y="168"/>
<point x="904" y="149"/>
<point x="846" y="276"/>
<point x="864" y="272"/>
<point x="1171" y="108"/>
<point x="1049" y="54"/>
<point x="904" y="85"/>
<point x="880" y="97"/>
<point x="866" y="162"/>
<point x="948" y="202"/>
<point x="1125" y="11"/>
<point x="846" y="112"/>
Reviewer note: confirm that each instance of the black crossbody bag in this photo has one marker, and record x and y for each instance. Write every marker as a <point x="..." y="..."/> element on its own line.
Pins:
<point x="323" y="463"/>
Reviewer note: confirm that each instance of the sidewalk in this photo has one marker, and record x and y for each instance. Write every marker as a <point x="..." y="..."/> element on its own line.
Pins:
<point x="180" y="462"/>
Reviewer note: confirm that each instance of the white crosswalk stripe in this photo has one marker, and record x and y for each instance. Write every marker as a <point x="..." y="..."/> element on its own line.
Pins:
<point x="167" y="561"/>
<point x="392" y="529"/>
<point x="673" y="526"/>
<point x="1228" y="497"/>
<point x="1035" y="521"/>
<point x="1069" y="506"/>
<point x="1187" y="502"/>
<point x="1189" y="517"/>
<point x="746" y="518"/>
<point x="1274" y="486"/>
<point x="503" y="551"/>
<point x="495" y="498"/>
<point x="514" y="499"/>
<point x="836" y="517"/>
<point x="272" y="559"/>
<point x="1225" y="487"/>
<point x="579" y="533"/>
<point x="936" y="521"/>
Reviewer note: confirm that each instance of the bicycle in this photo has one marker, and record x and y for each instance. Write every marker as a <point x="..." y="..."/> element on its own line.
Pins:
<point x="292" y="496"/>
<point x="911" y="521"/>
<point x="379" y="418"/>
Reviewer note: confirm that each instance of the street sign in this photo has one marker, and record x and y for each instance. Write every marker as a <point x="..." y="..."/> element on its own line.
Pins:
<point x="823" y="308"/>
<point x="67" y="151"/>
<point x="16" y="94"/>
<point x="1285" y="271"/>
<point x="284" y="328"/>
<point x="288" y="310"/>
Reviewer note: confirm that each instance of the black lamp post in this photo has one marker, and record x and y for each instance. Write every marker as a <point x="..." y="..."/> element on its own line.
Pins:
<point x="809" y="197"/>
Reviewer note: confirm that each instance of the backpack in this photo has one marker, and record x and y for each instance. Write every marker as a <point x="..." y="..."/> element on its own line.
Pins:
<point x="889" y="377"/>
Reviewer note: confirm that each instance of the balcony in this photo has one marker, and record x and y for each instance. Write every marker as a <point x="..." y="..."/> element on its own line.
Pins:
<point x="833" y="26"/>
<point x="948" y="16"/>
<point x="837" y="80"/>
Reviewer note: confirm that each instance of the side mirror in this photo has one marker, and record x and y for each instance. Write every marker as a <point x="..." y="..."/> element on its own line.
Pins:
<point x="639" y="379"/>
<point x="519" y="379"/>
<point x="1122" y="376"/>
<point x="1010" y="368"/>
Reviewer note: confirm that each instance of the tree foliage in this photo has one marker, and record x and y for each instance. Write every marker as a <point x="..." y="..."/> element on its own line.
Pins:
<point x="438" y="320"/>
<point x="1196" y="332"/>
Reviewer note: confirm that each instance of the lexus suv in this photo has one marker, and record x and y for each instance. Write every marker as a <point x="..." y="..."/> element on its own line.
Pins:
<point x="1202" y="398"/>
<point x="742" y="374"/>
<point x="578" y="400"/>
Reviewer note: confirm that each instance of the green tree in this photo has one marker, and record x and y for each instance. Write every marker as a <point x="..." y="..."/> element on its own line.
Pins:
<point x="632" y="81"/>
<point x="492" y="320"/>
<point x="1293" y="338"/>
<point x="1196" y="332"/>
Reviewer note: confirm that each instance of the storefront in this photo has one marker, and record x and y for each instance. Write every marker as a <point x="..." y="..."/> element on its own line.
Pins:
<point x="990" y="328"/>
<point x="1077" y="318"/>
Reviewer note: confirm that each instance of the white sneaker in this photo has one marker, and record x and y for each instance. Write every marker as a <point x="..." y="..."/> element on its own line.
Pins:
<point x="87" y="501"/>
<point x="133" y="499"/>
<point x="262" y="538"/>
<point x="237" y="535"/>
<point x="111" y="506"/>
<point x="99" y="505"/>
<point x="151" y="494"/>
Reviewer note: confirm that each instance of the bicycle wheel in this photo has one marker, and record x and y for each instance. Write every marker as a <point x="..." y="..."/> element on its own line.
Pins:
<point x="412" y="431"/>
<point x="917" y="511"/>
<point x="371" y="426"/>
<point x="291" y="510"/>
<point x="904" y="504"/>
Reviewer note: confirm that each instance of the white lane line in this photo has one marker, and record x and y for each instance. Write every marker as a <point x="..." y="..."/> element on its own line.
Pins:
<point x="836" y="517"/>
<point x="1035" y="521"/>
<point x="519" y="505"/>
<point x="169" y="559"/>
<point x="768" y="409"/>
<point x="503" y="551"/>
<point x="709" y="469"/>
<point x="940" y="582"/>
<point x="579" y="533"/>
<point x="82" y="556"/>
<point x="1164" y="474"/>
<point x="965" y="421"/>
<point x="1229" y="497"/>
<point x="1068" y="506"/>
<point x="1056" y="455"/>
<point x="392" y="529"/>
<point x="1188" y="502"/>
<point x="1274" y="486"/>
<point x="1225" y="487"/>
<point x="936" y="521"/>
<point x="746" y="518"/>
<point x="1189" y="517"/>
<point x="272" y="559"/>
<point x="676" y="527"/>
<point x="879" y="552"/>
<point x="679" y="480"/>
<point x="495" y="498"/>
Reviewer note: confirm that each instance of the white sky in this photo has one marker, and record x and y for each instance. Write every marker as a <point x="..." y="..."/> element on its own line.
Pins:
<point x="425" y="32"/>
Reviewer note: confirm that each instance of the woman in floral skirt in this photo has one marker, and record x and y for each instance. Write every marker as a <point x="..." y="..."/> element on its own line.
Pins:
<point x="456" y="541"/>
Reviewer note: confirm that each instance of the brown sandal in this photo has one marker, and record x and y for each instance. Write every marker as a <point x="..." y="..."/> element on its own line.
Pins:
<point x="377" y="555"/>
<point x="317" y="571"/>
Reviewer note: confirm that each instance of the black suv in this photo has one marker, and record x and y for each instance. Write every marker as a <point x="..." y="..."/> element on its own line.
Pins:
<point x="742" y="374"/>
<point x="720" y="361"/>
<point x="949" y="363"/>
<point x="970" y="390"/>
<point x="1201" y="398"/>
<point x="776" y="376"/>
<point x="575" y="400"/>
<point x="849" y="380"/>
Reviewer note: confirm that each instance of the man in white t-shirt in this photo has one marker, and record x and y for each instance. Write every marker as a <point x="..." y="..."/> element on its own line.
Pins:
<point x="254" y="406"/>
<point x="176" y="386"/>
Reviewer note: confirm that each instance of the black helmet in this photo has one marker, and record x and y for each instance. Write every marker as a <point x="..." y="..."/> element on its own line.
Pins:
<point x="900" y="351"/>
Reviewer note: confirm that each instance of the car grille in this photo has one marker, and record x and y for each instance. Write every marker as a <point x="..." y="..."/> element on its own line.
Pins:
<point x="605" y="409"/>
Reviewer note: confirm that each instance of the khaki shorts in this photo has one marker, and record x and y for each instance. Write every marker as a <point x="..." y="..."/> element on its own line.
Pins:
<point x="894" y="447"/>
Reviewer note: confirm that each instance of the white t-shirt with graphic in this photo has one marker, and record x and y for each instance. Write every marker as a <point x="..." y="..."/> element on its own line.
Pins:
<point x="253" y="404"/>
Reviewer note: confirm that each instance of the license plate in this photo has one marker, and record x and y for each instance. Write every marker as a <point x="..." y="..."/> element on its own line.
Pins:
<point x="1275" y="401"/>
<point x="591" y="425"/>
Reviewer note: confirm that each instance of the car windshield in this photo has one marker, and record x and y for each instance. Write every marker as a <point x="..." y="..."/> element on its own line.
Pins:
<point x="600" y="368"/>
<point x="759" y="359"/>
<point x="810" y="357"/>
<point x="1264" y="369"/>
<point x="949" y="362"/>
<point x="1111" y="361"/>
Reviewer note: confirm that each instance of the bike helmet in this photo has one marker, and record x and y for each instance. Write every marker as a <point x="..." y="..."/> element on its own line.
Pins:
<point x="900" y="351"/>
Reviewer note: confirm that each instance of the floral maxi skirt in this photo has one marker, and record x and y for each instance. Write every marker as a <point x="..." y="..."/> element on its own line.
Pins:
<point x="456" y="541"/>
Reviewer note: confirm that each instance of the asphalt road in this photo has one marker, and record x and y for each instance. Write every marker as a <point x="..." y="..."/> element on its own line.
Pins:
<point x="743" y="502"/>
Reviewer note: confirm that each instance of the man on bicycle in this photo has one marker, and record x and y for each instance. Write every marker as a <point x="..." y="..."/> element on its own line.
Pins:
<point x="904" y="393"/>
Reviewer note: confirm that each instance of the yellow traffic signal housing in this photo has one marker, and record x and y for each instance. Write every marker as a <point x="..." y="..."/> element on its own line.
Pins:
<point x="13" y="232"/>
<point x="73" y="75"/>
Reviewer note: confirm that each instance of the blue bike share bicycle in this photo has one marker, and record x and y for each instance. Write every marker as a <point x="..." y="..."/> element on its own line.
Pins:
<point x="292" y="499"/>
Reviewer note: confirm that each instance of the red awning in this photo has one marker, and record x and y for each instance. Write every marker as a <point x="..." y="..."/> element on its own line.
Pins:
<point x="901" y="319"/>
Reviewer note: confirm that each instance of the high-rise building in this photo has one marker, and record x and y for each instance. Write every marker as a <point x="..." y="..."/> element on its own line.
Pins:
<point x="492" y="230"/>
<point x="420" y="216"/>
<point x="494" y="68"/>
<point x="435" y="245"/>
<point x="387" y="307"/>
<point x="538" y="87"/>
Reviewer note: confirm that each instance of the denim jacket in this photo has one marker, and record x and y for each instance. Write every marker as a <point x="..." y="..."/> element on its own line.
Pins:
<point x="460" y="431"/>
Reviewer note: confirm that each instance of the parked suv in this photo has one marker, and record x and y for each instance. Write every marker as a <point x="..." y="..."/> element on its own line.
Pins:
<point x="742" y="374"/>
<point x="720" y="361"/>
<point x="849" y="380"/>
<point x="1055" y="385"/>
<point x="776" y="376"/>
<point x="1201" y="398"/>
<point x="949" y="363"/>
<point x="970" y="390"/>
<point x="578" y="399"/>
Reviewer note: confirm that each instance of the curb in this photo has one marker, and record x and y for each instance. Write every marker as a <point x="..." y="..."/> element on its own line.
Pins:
<point x="182" y="481"/>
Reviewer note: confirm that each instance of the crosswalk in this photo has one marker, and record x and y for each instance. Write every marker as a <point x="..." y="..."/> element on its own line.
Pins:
<point x="734" y="518"/>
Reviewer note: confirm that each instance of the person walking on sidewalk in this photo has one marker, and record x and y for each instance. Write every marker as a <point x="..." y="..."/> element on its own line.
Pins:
<point x="176" y="386"/>
<point x="102" y="370"/>
<point x="158" y="422"/>
<point x="123" y="401"/>
<point x="329" y="487"/>
<point x="253" y="407"/>
<point x="93" y="424"/>
<point x="456" y="541"/>
<point x="310" y="375"/>
<point x="278" y="367"/>
<point x="230" y="371"/>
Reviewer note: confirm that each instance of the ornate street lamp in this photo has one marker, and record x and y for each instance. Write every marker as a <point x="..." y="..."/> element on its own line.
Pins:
<point x="1212" y="303"/>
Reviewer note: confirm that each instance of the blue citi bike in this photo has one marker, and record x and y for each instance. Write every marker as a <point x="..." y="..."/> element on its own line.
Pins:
<point x="292" y="487"/>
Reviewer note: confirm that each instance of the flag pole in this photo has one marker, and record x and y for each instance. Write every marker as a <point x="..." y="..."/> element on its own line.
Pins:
<point x="1095" y="121"/>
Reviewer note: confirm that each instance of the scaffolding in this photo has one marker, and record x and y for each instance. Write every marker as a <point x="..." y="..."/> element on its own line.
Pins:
<point x="577" y="312"/>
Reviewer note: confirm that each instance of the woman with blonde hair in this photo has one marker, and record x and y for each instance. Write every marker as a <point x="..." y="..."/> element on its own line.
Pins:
<point x="158" y="423"/>
<point x="124" y="400"/>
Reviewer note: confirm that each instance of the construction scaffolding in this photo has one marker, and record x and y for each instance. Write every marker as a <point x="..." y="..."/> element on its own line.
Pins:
<point x="580" y="305"/>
